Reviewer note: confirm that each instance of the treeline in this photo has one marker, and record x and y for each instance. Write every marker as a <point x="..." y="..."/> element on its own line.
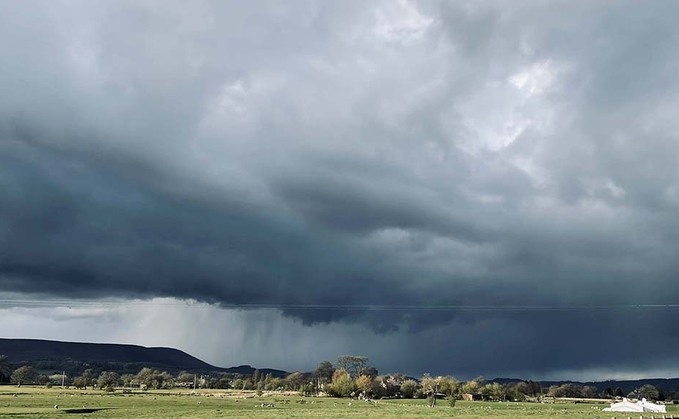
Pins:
<point x="350" y="376"/>
<point x="647" y="391"/>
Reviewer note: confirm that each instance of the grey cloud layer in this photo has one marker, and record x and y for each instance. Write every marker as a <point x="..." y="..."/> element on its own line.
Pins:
<point x="338" y="153"/>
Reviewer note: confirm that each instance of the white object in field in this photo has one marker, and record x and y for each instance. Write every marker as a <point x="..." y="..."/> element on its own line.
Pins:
<point x="640" y="406"/>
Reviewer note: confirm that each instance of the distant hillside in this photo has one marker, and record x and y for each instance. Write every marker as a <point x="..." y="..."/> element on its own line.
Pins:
<point x="248" y="370"/>
<point x="76" y="356"/>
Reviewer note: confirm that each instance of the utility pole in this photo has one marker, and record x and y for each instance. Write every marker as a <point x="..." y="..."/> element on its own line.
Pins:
<point x="194" y="382"/>
<point x="63" y="379"/>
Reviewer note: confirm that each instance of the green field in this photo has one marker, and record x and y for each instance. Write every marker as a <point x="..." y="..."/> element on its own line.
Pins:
<point x="26" y="402"/>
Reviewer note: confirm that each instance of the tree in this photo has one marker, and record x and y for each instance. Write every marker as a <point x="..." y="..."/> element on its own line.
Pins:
<point x="154" y="379"/>
<point x="88" y="377"/>
<point x="512" y="393"/>
<point x="127" y="380"/>
<point x="24" y="375"/>
<point x="449" y="386"/>
<point x="108" y="380"/>
<point x="408" y="388"/>
<point x="295" y="381"/>
<point x="471" y="387"/>
<point x="222" y="382"/>
<point x="430" y="386"/>
<point x="185" y="377"/>
<point x="272" y="384"/>
<point x="589" y="392"/>
<point x="649" y="392"/>
<point x="79" y="383"/>
<point x="529" y="388"/>
<point x="342" y="384"/>
<point x="565" y="390"/>
<point x="369" y="371"/>
<point x="367" y="385"/>
<point x="352" y="364"/>
<point x="248" y="384"/>
<point x="324" y="372"/>
<point x="56" y="379"/>
<point x="494" y="391"/>
<point x="4" y="369"/>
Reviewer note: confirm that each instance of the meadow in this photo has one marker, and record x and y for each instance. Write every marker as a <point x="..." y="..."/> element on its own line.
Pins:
<point x="38" y="402"/>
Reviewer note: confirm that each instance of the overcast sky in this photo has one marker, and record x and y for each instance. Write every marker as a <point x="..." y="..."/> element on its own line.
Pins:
<point x="482" y="188"/>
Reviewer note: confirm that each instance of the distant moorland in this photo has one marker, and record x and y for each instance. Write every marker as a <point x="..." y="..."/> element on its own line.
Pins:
<point x="113" y="367"/>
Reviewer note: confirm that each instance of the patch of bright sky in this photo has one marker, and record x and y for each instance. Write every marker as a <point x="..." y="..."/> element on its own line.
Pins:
<point x="400" y="22"/>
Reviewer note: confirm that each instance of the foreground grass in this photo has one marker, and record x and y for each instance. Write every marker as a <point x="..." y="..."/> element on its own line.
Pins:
<point x="27" y="402"/>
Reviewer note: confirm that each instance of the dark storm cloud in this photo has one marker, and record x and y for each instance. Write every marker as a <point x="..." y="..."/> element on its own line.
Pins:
<point x="334" y="154"/>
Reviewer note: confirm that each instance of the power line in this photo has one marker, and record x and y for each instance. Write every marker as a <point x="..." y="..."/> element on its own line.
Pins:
<point x="339" y="307"/>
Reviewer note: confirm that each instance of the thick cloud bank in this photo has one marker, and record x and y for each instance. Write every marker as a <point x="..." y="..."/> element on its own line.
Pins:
<point x="355" y="163"/>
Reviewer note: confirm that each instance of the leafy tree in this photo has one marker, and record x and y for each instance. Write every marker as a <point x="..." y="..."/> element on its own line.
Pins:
<point x="273" y="384"/>
<point x="430" y="387"/>
<point x="618" y="392"/>
<point x="352" y="364"/>
<point x="88" y="377"/>
<point x="589" y="392"/>
<point x="24" y="375"/>
<point x="449" y="386"/>
<point x="565" y="390"/>
<point x="185" y="377"/>
<point x="42" y="379"/>
<point x="56" y="379"/>
<point x="342" y="384"/>
<point x="127" y="380"/>
<point x="661" y="394"/>
<point x="529" y="388"/>
<point x="471" y="387"/>
<point x="79" y="383"/>
<point x="493" y="391"/>
<point x="248" y="384"/>
<point x="308" y="389"/>
<point x="295" y="381"/>
<point x="369" y="371"/>
<point x="145" y="377"/>
<point x="368" y="385"/>
<point x="163" y="379"/>
<point x="408" y="388"/>
<point x="649" y="392"/>
<point x="222" y="382"/>
<point x="108" y="380"/>
<point x="324" y="372"/>
<point x="4" y="369"/>
<point x="512" y="393"/>
<point x="154" y="379"/>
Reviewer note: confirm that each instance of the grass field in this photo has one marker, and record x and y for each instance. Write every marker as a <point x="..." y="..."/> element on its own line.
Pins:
<point x="27" y="402"/>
